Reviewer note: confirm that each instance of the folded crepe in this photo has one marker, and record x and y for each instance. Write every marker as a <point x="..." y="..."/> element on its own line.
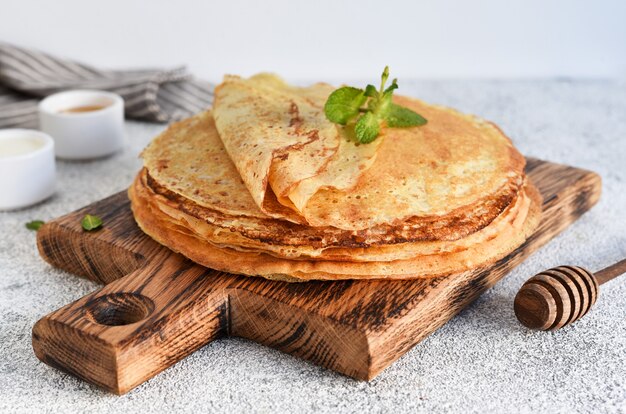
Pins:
<point x="264" y="185"/>
<point x="282" y="144"/>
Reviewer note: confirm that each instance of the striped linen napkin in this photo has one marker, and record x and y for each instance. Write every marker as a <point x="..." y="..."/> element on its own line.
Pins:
<point x="149" y="95"/>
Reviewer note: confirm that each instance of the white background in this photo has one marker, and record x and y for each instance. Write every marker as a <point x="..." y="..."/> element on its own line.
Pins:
<point x="332" y="39"/>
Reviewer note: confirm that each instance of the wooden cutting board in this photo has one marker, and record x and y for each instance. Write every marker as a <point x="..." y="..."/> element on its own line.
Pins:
<point x="157" y="307"/>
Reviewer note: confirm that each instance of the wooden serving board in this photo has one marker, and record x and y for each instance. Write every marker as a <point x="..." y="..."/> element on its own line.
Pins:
<point x="157" y="307"/>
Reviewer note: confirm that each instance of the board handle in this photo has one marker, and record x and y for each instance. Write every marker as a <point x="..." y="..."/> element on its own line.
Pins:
<point x="135" y="327"/>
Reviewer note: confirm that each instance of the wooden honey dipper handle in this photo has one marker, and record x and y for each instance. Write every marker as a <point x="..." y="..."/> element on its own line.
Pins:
<point x="611" y="272"/>
<point x="559" y="296"/>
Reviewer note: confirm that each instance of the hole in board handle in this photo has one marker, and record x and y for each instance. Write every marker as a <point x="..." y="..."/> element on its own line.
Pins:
<point x="117" y="309"/>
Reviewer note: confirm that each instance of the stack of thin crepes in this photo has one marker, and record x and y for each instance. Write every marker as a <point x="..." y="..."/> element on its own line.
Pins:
<point x="264" y="185"/>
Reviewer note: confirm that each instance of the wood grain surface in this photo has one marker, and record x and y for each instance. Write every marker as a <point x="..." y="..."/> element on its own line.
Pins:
<point x="157" y="307"/>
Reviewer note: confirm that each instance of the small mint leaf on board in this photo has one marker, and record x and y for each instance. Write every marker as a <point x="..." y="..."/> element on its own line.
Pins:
<point x="343" y="104"/>
<point x="367" y="128"/>
<point x="400" y="117"/>
<point x="90" y="222"/>
<point x="35" y="225"/>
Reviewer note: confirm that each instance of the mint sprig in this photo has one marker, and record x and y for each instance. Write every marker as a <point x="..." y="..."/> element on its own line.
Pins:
<point x="370" y="109"/>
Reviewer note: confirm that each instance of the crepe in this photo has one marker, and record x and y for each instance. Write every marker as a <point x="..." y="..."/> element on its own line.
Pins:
<point x="285" y="149"/>
<point x="189" y="165"/>
<point x="181" y="238"/>
<point x="282" y="143"/>
<point x="264" y="185"/>
<point x="145" y="191"/>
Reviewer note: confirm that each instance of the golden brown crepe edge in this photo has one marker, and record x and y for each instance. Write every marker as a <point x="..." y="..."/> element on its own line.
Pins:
<point x="181" y="240"/>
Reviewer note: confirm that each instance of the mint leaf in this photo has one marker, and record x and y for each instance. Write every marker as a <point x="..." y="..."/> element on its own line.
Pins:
<point x="343" y="104"/>
<point x="35" y="224"/>
<point x="370" y="90"/>
<point x="367" y="128"/>
<point x="383" y="78"/>
<point x="394" y="85"/>
<point x="400" y="117"/>
<point x="90" y="222"/>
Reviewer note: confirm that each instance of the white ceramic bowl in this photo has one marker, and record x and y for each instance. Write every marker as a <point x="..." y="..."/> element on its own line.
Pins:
<point x="27" y="168"/>
<point x="83" y="135"/>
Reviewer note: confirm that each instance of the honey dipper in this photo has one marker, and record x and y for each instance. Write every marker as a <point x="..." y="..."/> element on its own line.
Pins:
<point x="561" y="295"/>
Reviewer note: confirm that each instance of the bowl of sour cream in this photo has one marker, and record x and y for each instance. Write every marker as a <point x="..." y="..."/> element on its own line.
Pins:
<point x="27" y="168"/>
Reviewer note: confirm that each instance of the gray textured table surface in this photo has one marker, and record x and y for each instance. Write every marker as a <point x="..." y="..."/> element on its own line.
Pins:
<point x="482" y="360"/>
